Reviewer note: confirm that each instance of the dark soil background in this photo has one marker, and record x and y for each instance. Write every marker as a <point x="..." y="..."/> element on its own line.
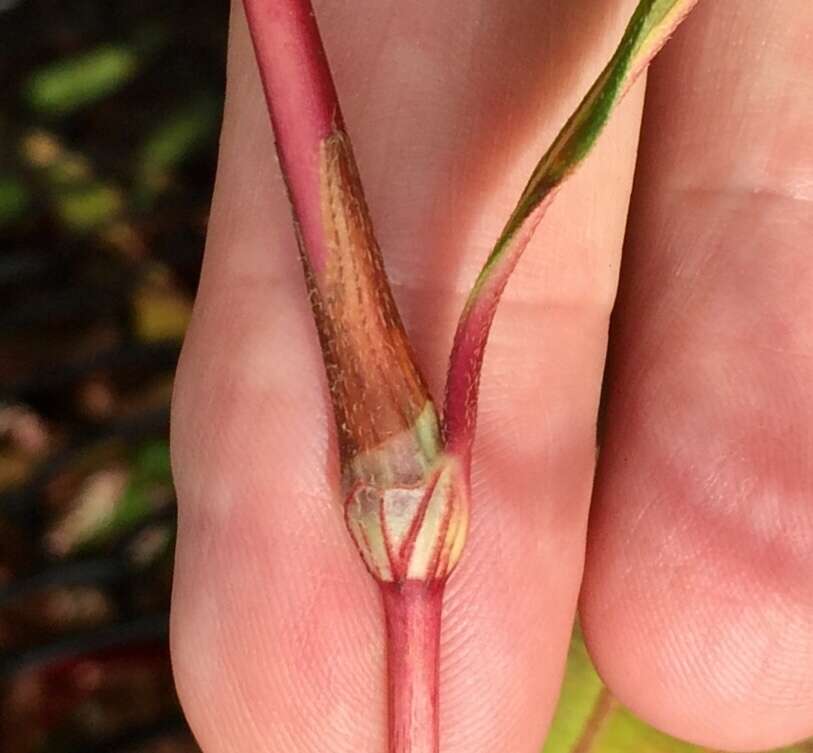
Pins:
<point x="108" y="129"/>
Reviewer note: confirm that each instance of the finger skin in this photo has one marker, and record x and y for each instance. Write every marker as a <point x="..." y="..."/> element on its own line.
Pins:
<point x="277" y="631"/>
<point x="697" y="604"/>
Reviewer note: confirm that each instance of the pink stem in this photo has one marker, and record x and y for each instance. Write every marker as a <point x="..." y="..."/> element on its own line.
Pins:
<point x="305" y="115"/>
<point x="471" y="337"/>
<point x="302" y="102"/>
<point x="413" y="611"/>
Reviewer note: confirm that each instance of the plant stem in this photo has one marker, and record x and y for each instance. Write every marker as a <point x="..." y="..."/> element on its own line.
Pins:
<point x="413" y="613"/>
<point x="377" y="391"/>
<point x="302" y="103"/>
<point x="406" y="503"/>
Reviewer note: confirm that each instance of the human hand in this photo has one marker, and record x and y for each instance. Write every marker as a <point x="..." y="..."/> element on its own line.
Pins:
<point x="697" y="603"/>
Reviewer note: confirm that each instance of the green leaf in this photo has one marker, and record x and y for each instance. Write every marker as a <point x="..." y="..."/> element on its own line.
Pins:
<point x="646" y="32"/>
<point x="179" y="136"/>
<point x="83" y="202"/>
<point x="581" y="692"/>
<point x="71" y="84"/>
<point x="148" y="487"/>
<point x="14" y="199"/>
<point x="649" y="27"/>
<point x="88" y="207"/>
<point x="152" y="464"/>
<point x="589" y="720"/>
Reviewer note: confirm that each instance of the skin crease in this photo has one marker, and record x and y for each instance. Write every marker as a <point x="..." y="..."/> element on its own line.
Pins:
<point x="701" y="620"/>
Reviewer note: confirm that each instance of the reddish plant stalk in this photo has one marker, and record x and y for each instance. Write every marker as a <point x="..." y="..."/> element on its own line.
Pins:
<point x="405" y="500"/>
<point x="413" y="614"/>
<point x="302" y="103"/>
<point x="405" y="481"/>
<point x="378" y="395"/>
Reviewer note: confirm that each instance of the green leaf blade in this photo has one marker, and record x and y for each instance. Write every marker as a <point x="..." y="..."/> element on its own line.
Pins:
<point x="589" y="719"/>
<point x="648" y="29"/>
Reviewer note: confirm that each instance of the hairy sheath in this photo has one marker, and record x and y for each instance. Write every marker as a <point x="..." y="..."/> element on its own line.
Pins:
<point x="405" y="501"/>
<point x="376" y="390"/>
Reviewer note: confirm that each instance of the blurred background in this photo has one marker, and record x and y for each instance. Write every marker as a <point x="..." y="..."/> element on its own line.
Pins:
<point x="108" y="132"/>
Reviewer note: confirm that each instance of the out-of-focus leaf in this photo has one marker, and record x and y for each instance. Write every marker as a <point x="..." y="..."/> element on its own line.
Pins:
<point x="40" y="148"/>
<point x="14" y="199"/>
<point x="180" y="134"/>
<point x="581" y="691"/>
<point x="88" y="207"/>
<point x="91" y="511"/>
<point x="70" y="84"/>
<point x="161" y="313"/>
<point x="152" y="464"/>
<point x="589" y="720"/>
<point x="115" y="501"/>
<point x="150" y="473"/>
<point x="14" y="468"/>
<point x="82" y="201"/>
<point x="651" y="24"/>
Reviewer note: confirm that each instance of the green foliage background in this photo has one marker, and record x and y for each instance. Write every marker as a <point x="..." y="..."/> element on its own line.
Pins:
<point x="589" y="720"/>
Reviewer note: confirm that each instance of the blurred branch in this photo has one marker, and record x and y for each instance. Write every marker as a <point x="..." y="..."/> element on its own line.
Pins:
<point x="102" y="571"/>
<point x="148" y="357"/>
<point x="135" y="739"/>
<point x="140" y="630"/>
